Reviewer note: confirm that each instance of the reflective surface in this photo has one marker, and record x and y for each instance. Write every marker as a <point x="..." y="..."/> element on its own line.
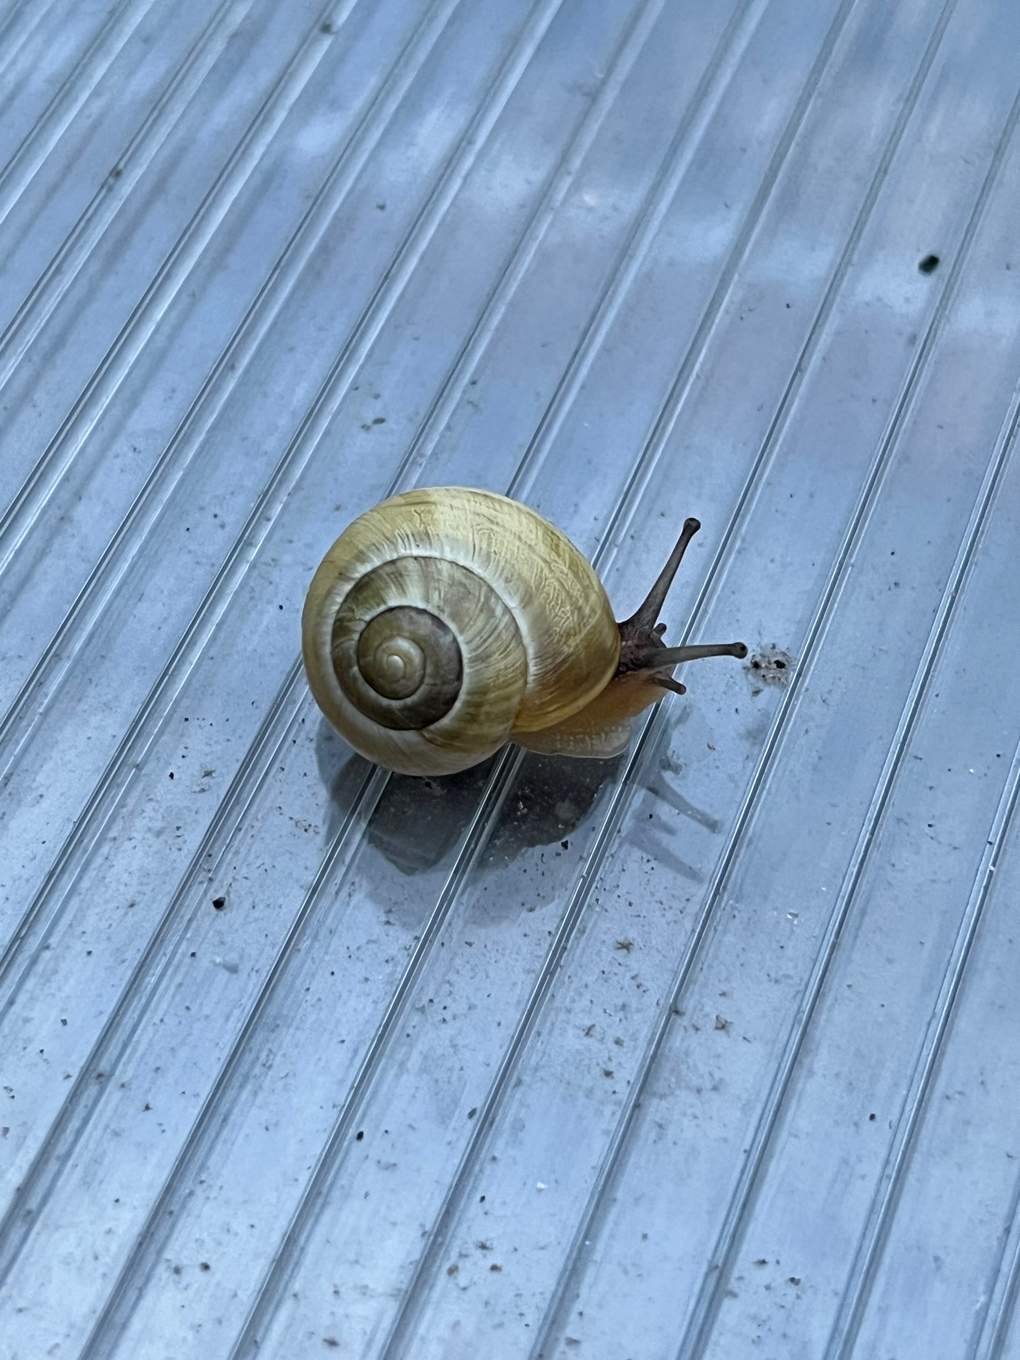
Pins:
<point x="708" y="1051"/>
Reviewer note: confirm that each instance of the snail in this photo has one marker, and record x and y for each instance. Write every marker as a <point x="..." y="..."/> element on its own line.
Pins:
<point x="445" y="621"/>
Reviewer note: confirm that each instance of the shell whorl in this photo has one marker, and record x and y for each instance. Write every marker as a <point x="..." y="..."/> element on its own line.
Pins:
<point x="444" y="619"/>
<point x="401" y="664"/>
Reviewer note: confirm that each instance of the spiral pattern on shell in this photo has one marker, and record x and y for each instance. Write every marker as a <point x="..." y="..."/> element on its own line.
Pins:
<point x="443" y="620"/>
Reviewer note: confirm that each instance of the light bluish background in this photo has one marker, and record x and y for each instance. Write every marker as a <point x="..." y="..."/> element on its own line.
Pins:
<point x="711" y="1051"/>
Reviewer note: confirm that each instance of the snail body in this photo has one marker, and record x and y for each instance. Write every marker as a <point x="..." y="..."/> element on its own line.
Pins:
<point x="445" y="621"/>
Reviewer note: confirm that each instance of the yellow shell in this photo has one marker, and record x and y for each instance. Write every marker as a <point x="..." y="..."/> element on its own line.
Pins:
<point x="446" y="620"/>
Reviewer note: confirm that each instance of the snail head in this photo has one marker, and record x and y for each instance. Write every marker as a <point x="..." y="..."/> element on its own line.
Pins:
<point x="644" y="657"/>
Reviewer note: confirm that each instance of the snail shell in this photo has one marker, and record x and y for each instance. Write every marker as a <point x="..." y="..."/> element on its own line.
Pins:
<point x="444" y="620"/>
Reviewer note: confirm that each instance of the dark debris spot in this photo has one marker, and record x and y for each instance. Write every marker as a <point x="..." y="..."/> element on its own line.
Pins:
<point x="929" y="264"/>
<point x="219" y="903"/>
<point x="770" y="666"/>
<point x="359" y="1135"/>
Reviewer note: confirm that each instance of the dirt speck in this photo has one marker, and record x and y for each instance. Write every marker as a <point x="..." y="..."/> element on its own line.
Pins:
<point x="770" y="666"/>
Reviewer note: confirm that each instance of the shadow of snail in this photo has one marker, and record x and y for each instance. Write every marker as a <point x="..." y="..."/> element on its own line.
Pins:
<point x="419" y="820"/>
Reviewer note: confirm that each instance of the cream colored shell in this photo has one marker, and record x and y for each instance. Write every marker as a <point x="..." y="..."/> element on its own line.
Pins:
<point x="535" y="630"/>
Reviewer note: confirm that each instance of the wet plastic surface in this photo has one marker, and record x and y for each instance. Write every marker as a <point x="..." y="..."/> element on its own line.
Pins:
<point x="712" y="1050"/>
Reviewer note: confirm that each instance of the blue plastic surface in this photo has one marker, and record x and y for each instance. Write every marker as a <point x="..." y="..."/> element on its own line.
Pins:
<point x="709" y="1051"/>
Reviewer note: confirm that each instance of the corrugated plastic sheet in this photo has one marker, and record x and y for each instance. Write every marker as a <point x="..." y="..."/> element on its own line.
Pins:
<point x="709" y="1051"/>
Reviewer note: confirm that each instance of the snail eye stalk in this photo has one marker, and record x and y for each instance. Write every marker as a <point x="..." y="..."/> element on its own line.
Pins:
<point x="643" y="621"/>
